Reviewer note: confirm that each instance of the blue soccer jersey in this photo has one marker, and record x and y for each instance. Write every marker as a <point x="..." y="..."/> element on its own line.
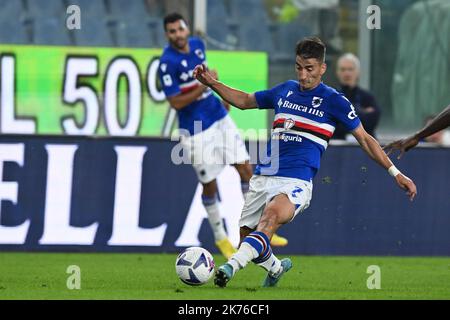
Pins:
<point x="176" y="76"/>
<point x="304" y="123"/>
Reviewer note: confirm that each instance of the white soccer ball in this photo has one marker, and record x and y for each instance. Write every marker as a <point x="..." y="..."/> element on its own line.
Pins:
<point x="195" y="266"/>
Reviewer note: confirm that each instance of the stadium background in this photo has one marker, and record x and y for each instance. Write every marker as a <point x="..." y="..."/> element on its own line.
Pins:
<point x="86" y="133"/>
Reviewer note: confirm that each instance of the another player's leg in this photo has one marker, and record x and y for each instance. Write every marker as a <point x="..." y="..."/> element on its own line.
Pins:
<point x="210" y="202"/>
<point x="278" y="241"/>
<point x="245" y="172"/>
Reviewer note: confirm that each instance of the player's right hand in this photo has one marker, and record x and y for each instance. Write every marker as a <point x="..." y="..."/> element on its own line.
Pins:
<point x="406" y="184"/>
<point x="402" y="145"/>
<point x="202" y="74"/>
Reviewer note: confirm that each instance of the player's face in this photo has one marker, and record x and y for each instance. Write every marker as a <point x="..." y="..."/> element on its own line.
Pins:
<point x="177" y="34"/>
<point x="309" y="72"/>
<point x="347" y="73"/>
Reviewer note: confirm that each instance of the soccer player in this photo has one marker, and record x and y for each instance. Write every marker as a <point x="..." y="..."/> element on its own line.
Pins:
<point x="306" y="113"/>
<point x="440" y="122"/>
<point x="210" y="136"/>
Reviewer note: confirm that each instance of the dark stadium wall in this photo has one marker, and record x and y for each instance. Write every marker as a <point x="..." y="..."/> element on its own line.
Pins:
<point x="122" y="194"/>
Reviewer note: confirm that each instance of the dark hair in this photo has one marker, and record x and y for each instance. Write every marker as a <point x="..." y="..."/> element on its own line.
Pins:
<point x="311" y="47"/>
<point x="171" y="18"/>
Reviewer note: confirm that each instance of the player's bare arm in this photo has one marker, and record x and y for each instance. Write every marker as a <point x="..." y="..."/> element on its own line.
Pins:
<point x="373" y="149"/>
<point x="184" y="99"/>
<point x="439" y="123"/>
<point x="237" y="98"/>
<point x="215" y="75"/>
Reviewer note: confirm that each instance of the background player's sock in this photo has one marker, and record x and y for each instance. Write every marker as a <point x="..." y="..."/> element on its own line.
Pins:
<point x="214" y="218"/>
<point x="245" y="185"/>
<point x="254" y="246"/>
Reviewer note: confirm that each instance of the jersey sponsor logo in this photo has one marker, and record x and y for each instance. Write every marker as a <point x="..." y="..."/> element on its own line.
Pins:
<point x="167" y="79"/>
<point x="286" y="137"/>
<point x="289" y="105"/>
<point x="289" y="93"/>
<point x="316" y="102"/>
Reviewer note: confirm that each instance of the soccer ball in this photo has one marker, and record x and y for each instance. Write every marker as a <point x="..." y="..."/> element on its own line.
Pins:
<point x="195" y="266"/>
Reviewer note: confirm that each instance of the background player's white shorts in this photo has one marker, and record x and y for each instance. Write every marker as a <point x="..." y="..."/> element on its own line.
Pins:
<point x="213" y="149"/>
<point x="264" y="188"/>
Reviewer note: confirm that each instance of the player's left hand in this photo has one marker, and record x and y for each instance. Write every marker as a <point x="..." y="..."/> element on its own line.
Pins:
<point x="406" y="184"/>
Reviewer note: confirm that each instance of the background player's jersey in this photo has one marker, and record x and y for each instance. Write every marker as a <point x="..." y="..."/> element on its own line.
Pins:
<point x="304" y="123"/>
<point x="176" y="76"/>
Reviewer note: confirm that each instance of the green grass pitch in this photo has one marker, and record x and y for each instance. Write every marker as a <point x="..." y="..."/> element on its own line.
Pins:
<point x="152" y="276"/>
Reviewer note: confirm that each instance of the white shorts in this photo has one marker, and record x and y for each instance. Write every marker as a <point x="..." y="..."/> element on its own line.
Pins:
<point x="264" y="188"/>
<point x="211" y="150"/>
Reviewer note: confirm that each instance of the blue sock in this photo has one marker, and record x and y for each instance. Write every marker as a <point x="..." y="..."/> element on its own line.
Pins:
<point x="261" y="243"/>
<point x="208" y="201"/>
<point x="255" y="247"/>
<point x="245" y="185"/>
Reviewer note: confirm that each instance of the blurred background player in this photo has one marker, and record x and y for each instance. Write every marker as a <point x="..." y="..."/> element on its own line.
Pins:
<point x="440" y="122"/>
<point x="305" y="113"/>
<point x="348" y="67"/>
<point x="210" y="136"/>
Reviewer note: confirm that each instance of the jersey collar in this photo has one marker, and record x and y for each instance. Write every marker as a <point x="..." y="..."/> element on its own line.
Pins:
<point x="311" y="92"/>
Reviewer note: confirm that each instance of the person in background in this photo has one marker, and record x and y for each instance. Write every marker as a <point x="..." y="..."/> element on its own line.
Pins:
<point x="366" y="107"/>
<point x="216" y="142"/>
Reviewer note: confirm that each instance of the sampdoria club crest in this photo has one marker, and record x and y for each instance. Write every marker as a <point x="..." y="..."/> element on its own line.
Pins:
<point x="288" y="123"/>
<point x="316" y="102"/>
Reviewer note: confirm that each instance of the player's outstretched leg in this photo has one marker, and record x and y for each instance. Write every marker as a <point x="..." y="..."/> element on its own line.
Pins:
<point x="272" y="278"/>
<point x="245" y="171"/>
<point x="223" y="274"/>
<point x="275" y="268"/>
<point x="279" y="211"/>
<point x="254" y="246"/>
